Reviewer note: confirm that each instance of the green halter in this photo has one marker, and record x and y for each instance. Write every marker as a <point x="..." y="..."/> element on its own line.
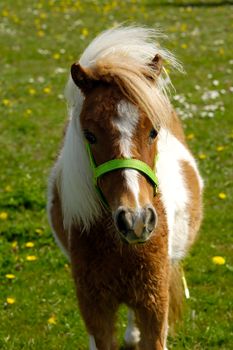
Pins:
<point x="115" y="164"/>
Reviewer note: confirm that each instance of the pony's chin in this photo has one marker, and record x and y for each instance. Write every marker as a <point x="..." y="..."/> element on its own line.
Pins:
<point x="130" y="238"/>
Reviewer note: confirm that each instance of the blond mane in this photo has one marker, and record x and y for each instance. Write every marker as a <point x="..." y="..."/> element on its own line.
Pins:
<point x="125" y="55"/>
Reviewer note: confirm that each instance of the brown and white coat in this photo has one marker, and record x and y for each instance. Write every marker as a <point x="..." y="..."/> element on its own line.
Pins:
<point x="118" y="92"/>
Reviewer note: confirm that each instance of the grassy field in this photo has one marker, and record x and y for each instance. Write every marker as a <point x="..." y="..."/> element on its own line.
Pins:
<point x="39" y="41"/>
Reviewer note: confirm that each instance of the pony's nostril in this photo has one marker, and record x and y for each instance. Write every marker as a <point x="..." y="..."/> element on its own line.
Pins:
<point x="150" y="218"/>
<point x="123" y="220"/>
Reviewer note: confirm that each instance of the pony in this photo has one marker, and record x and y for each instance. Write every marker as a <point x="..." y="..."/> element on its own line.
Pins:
<point x="125" y="193"/>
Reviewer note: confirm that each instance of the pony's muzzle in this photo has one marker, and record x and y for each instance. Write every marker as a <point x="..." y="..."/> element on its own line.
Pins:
<point x="135" y="226"/>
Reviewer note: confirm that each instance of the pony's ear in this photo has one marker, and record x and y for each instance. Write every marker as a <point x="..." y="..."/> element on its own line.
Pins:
<point x="82" y="78"/>
<point x="157" y="64"/>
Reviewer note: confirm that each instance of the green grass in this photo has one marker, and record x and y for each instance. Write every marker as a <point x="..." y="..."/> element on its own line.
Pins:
<point x="39" y="41"/>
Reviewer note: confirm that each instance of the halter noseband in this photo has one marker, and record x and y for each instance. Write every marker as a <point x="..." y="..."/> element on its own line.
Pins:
<point x="115" y="164"/>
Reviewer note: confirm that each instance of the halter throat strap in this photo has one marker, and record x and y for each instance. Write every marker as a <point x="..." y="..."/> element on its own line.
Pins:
<point x="116" y="164"/>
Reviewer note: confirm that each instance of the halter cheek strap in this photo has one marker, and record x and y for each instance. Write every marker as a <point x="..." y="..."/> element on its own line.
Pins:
<point x="115" y="164"/>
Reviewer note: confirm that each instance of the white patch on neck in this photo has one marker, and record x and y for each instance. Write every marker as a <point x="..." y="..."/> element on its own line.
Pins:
<point x="175" y="194"/>
<point x="126" y="123"/>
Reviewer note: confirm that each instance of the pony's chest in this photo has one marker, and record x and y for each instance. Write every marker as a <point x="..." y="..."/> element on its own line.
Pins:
<point x="113" y="259"/>
<point x="120" y="273"/>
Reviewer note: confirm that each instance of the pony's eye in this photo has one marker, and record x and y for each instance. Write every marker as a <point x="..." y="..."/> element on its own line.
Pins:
<point x="90" y="137"/>
<point x="153" y="134"/>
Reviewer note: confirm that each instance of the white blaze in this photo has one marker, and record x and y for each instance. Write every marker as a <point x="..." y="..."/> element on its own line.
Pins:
<point x="126" y="123"/>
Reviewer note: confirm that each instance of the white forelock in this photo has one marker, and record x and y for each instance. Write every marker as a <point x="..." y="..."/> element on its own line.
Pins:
<point x="140" y="44"/>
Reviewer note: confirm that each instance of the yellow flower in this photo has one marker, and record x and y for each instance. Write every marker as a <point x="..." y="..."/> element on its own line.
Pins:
<point x="106" y="8"/>
<point x="184" y="46"/>
<point x="29" y="245"/>
<point x="40" y="33"/>
<point x="3" y="215"/>
<point x="6" y="102"/>
<point x="5" y="13"/>
<point x="202" y="156"/>
<point x="14" y="244"/>
<point x="56" y="56"/>
<point x="31" y="258"/>
<point x="222" y="195"/>
<point x="10" y="276"/>
<point x="43" y="15"/>
<point x="28" y="112"/>
<point x="8" y="188"/>
<point x="52" y="320"/>
<point x="218" y="260"/>
<point x="32" y="91"/>
<point x="10" y="300"/>
<point x="39" y="231"/>
<point x="190" y="136"/>
<point x="37" y="22"/>
<point x="16" y="19"/>
<point x="67" y="267"/>
<point x="47" y="90"/>
<point x="39" y="5"/>
<point x="183" y="27"/>
<point x="85" y="32"/>
<point x="221" y="51"/>
<point x="220" y="148"/>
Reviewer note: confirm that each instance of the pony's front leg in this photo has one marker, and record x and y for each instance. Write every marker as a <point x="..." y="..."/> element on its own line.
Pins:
<point x="99" y="318"/>
<point x="153" y="328"/>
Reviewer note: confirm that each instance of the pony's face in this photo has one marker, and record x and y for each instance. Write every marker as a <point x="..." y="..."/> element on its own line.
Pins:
<point x="115" y="128"/>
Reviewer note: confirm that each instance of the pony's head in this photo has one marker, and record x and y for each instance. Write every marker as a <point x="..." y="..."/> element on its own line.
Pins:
<point x="123" y="107"/>
<point x="115" y="127"/>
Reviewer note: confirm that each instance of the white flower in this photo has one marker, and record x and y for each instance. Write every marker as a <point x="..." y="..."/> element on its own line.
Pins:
<point x="43" y="52"/>
<point x="41" y="80"/>
<point x="210" y="95"/>
<point x="60" y="70"/>
<point x="215" y="82"/>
